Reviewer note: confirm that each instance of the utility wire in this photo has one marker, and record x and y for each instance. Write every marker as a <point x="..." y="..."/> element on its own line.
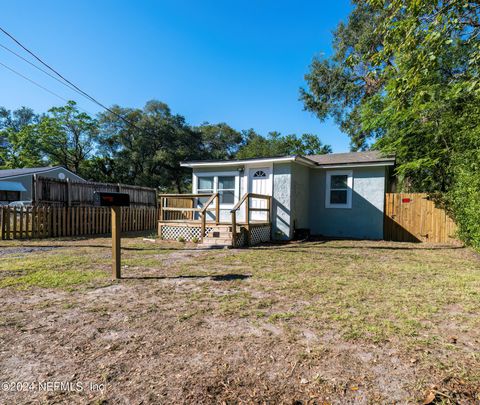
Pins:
<point x="69" y="82"/>
<point x="39" y="85"/>
<point x="39" y="68"/>
<point x="33" y="82"/>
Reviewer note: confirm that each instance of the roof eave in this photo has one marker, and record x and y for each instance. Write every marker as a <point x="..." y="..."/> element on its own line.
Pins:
<point x="355" y="164"/>
<point x="237" y="162"/>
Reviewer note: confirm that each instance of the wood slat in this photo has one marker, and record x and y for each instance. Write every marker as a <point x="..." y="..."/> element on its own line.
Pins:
<point x="413" y="217"/>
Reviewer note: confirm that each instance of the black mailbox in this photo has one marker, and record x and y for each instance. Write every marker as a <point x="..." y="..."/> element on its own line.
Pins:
<point x="110" y="199"/>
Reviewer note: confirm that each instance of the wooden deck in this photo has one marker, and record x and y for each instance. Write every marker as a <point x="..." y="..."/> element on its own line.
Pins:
<point x="198" y="217"/>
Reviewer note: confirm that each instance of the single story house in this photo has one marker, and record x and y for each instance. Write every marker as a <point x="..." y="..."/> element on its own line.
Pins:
<point x="332" y="195"/>
<point x="16" y="184"/>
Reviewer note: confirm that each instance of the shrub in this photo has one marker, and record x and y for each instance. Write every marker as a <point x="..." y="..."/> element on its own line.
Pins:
<point x="464" y="198"/>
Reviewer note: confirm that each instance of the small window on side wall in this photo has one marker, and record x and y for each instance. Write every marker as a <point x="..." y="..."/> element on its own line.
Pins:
<point x="339" y="189"/>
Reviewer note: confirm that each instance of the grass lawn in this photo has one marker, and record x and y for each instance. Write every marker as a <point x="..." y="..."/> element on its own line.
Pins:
<point x="326" y="321"/>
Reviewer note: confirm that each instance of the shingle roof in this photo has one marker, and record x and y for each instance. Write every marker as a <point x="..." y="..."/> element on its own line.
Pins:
<point x="25" y="170"/>
<point x="350" y="158"/>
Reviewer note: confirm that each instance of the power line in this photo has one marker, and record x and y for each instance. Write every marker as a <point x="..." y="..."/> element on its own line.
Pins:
<point x="39" y="68"/>
<point x="69" y="82"/>
<point x="40" y="86"/>
<point x="33" y="82"/>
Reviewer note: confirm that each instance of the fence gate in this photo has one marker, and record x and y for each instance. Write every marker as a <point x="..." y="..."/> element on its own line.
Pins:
<point x="412" y="217"/>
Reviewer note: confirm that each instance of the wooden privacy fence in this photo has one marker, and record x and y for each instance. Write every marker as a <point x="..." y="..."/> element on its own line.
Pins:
<point x="412" y="217"/>
<point x="177" y="207"/>
<point x="45" y="222"/>
<point x="68" y="193"/>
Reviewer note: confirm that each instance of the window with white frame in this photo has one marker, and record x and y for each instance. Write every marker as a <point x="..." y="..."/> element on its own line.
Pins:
<point x="226" y="189"/>
<point x="224" y="185"/>
<point x="339" y="189"/>
<point x="205" y="185"/>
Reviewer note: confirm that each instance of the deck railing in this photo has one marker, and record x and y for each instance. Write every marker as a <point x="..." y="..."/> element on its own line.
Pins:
<point x="184" y="208"/>
<point x="246" y="201"/>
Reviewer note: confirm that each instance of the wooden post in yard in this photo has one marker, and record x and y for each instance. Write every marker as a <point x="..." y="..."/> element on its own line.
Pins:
<point x="203" y="225"/>
<point x="115" y="201"/>
<point x="116" y="227"/>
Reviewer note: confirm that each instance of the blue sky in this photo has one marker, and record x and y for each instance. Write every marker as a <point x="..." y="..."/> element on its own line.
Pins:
<point x="218" y="61"/>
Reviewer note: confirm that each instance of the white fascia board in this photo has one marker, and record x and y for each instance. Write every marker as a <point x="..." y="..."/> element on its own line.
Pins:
<point x="305" y="161"/>
<point x="348" y="165"/>
<point x="237" y="162"/>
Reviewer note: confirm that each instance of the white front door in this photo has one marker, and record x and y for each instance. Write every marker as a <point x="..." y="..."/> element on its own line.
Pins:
<point x="260" y="182"/>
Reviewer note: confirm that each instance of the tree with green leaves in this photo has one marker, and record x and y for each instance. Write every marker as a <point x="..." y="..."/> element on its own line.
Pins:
<point x="219" y="141"/>
<point x="147" y="150"/>
<point x="429" y="111"/>
<point x="67" y="136"/>
<point x="19" y="140"/>
<point x="277" y="145"/>
<point x="404" y="78"/>
<point x="338" y="86"/>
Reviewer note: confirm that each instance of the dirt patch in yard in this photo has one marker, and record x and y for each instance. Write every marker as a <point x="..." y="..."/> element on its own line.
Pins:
<point x="269" y="325"/>
<point x="4" y="251"/>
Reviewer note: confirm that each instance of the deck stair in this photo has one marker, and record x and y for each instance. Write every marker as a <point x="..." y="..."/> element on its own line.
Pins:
<point x="219" y="236"/>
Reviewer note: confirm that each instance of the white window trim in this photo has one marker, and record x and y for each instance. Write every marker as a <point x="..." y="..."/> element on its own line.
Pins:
<point x="331" y="173"/>
<point x="215" y="176"/>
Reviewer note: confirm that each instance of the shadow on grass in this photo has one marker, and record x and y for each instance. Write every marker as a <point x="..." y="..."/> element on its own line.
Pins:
<point x="100" y="247"/>
<point x="303" y="246"/>
<point x="219" y="277"/>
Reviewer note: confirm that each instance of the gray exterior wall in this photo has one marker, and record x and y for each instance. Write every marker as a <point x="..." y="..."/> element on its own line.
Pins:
<point x="282" y="180"/>
<point x="27" y="180"/>
<point x="364" y="220"/>
<point x="300" y="196"/>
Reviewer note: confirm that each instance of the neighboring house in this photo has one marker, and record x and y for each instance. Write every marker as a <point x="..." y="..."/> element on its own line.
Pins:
<point x="333" y="195"/>
<point x="16" y="184"/>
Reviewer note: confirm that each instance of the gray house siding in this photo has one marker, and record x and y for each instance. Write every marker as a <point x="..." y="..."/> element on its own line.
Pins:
<point x="364" y="220"/>
<point x="281" y="216"/>
<point x="27" y="180"/>
<point x="300" y="196"/>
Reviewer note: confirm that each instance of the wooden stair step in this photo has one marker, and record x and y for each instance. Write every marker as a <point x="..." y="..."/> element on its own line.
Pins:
<point x="216" y="234"/>
<point x="217" y="241"/>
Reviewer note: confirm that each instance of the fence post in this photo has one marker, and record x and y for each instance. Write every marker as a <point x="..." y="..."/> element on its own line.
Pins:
<point x="69" y="197"/>
<point x="8" y="223"/>
<point x="2" y="223"/>
<point x="34" y="188"/>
